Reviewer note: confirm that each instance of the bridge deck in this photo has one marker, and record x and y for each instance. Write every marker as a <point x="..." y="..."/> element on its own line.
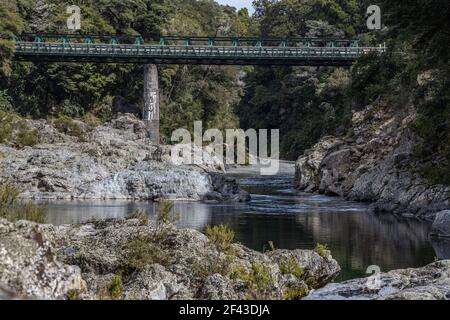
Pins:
<point x="189" y="54"/>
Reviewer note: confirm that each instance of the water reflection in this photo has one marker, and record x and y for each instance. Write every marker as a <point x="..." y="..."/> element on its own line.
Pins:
<point x="357" y="237"/>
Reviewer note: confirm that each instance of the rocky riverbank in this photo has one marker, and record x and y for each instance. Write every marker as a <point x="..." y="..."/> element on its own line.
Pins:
<point x="429" y="283"/>
<point x="376" y="164"/>
<point x="112" y="161"/>
<point x="138" y="259"/>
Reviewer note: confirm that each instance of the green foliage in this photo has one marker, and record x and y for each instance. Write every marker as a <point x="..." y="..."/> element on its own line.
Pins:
<point x="293" y="293"/>
<point x="165" y="214"/>
<point x="10" y="24"/>
<point x="290" y="17"/>
<point x="314" y="282"/>
<point x="270" y="246"/>
<point x="259" y="281"/>
<point x="140" y="215"/>
<point x="15" y="131"/>
<point x="70" y="127"/>
<point x="26" y="137"/>
<point x="222" y="237"/>
<point x="214" y="264"/>
<point x="7" y="124"/>
<point x="304" y="105"/>
<point x="5" y="102"/>
<point x="155" y="247"/>
<point x="8" y="195"/>
<point x="14" y="210"/>
<point x="73" y="295"/>
<point x="144" y="251"/>
<point x="433" y="128"/>
<point x="91" y="120"/>
<point x="418" y="29"/>
<point x="112" y="290"/>
<point x="375" y="76"/>
<point x="423" y="24"/>
<point x="188" y="93"/>
<point x="115" y="287"/>
<point x="322" y="250"/>
<point x="291" y="266"/>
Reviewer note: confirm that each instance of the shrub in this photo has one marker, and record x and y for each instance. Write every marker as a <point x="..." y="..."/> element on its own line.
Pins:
<point x="322" y="250"/>
<point x="222" y="237"/>
<point x="296" y="292"/>
<point x="73" y="295"/>
<point x="314" y="282"/>
<point x="8" y="195"/>
<point x="164" y="219"/>
<point x="291" y="266"/>
<point x="91" y="120"/>
<point x="115" y="287"/>
<point x="26" y="137"/>
<point x="14" y="210"/>
<point x="140" y="215"/>
<point x="113" y="290"/>
<point x="7" y="123"/>
<point x="142" y="252"/>
<point x="259" y="281"/>
<point x="211" y="265"/>
<point x="433" y="128"/>
<point x="70" y="127"/>
<point x="164" y="214"/>
<point x="269" y="247"/>
<point x="103" y="109"/>
<point x="5" y="102"/>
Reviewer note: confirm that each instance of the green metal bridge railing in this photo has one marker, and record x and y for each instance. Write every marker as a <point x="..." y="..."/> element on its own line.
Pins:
<point x="193" y="50"/>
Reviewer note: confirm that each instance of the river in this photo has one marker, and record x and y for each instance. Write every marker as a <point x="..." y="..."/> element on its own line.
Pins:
<point x="357" y="237"/>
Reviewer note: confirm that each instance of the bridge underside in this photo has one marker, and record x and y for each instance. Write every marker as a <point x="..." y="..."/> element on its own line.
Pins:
<point x="191" y="60"/>
<point x="191" y="54"/>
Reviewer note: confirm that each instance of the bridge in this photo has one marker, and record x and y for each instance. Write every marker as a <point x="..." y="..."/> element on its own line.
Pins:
<point x="189" y="50"/>
<point x="186" y="50"/>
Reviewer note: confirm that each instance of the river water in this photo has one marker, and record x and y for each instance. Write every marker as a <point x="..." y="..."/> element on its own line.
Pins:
<point x="357" y="237"/>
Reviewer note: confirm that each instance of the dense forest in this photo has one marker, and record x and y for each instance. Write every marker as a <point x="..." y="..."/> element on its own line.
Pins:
<point x="304" y="103"/>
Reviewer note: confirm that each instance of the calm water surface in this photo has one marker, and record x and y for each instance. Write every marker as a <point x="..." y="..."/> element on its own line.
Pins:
<point x="357" y="237"/>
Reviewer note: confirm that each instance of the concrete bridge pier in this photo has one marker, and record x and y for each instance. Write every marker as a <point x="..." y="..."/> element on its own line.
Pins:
<point x="150" y="113"/>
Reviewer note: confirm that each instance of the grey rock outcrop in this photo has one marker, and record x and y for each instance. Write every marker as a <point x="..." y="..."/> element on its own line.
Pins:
<point x="28" y="264"/>
<point x="112" y="161"/>
<point x="153" y="262"/>
<point x="441" y="225"/>
<point x="375" y="165"/>
<point x="429" y="283"/>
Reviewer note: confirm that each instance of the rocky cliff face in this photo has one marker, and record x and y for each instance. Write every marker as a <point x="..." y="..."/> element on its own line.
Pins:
<point x="375" y="164"/>
<point x="137" y="259"/>
<point x="112" y="161"/>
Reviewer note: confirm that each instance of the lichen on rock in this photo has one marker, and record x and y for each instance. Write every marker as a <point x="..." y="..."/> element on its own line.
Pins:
<point x="126" y="259"/>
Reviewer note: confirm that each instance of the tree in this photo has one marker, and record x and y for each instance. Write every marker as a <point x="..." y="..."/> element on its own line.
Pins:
<point x="10" y="26"/>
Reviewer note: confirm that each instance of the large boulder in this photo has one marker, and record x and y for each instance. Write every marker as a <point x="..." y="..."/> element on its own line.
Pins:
<point x="28" y="264"/>
<point x="112" y="161"/>
<point x="138" y="259"/>
<point x="441" y="225"/>
<point x="429" y="283"/>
